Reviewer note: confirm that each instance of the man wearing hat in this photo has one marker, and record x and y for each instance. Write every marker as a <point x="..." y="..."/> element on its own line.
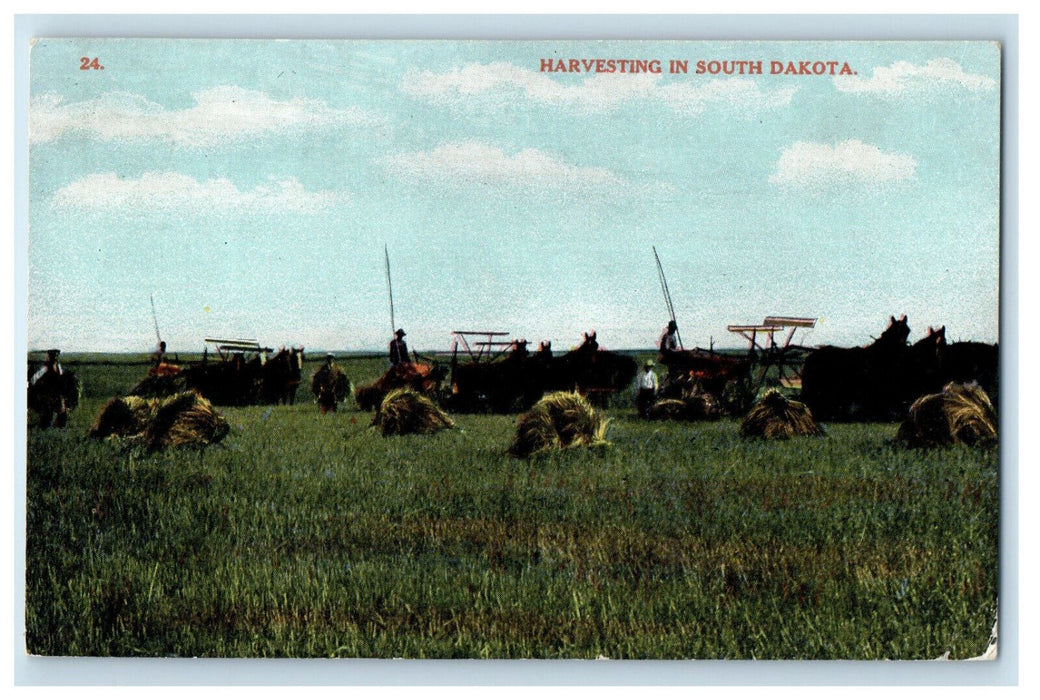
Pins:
<point x="669" y="339"/>
<point x="399" y="349"/>
<point x="50" y="364"/>
<point x="48" y="388"/>
<point x="646" y="389"/>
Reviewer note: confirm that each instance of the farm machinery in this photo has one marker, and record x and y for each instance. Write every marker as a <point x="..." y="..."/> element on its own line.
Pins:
<point x="491" y="374"/>
<point x="243" y="373"/>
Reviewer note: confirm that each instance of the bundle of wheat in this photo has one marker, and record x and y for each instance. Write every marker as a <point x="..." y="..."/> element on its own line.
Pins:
<point x="405" y="412"/>
<point x="182" y="419"/>
<point x="185" y="419"/>
<point x="559" y="421"/>
<point x="122" y="416"/>
<point x="961" y="414"/>
<point x="775" y="417"/>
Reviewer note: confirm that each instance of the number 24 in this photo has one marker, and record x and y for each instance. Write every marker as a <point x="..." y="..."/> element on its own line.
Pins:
<point x="86" y="63"/>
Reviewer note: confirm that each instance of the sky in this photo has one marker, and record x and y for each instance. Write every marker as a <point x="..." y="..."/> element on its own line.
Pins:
<point x="250" y="189"/>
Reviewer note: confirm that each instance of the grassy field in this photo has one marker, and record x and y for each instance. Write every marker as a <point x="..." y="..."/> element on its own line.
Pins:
<point x="312" y="536"/>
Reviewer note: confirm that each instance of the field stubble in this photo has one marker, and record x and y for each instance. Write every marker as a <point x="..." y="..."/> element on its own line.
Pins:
<point x="303" y="535"/>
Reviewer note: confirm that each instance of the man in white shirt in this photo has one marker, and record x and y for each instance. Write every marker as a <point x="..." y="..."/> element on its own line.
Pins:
<point x="49" y="365"/>
<point x="646" y="389"/>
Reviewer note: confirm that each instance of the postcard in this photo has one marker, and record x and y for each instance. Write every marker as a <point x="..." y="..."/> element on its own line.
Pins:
<point x="513" y="349"/>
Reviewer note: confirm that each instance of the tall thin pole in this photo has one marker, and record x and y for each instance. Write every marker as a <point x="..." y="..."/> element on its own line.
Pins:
<point x="390" y="289"/>
<point x="155" y="319"/>
<point x="667" y="296"/>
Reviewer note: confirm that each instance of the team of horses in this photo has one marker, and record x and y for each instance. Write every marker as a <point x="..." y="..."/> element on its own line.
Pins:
<point x="518" y="381"/>
<point x="238" y="382"/>
<point x="231" y="381"/>
<point x="878" y="381"/>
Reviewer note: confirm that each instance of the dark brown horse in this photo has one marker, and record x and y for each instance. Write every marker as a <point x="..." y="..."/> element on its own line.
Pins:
<point x="966" y="362"/>
<point x="230" y="382"/>
<point x="280" y="376"/>
<point x="422" y="377"/>
<point x="590" y="370"/>
<point x="503" y="386"/>
<point x="875" y="382"/>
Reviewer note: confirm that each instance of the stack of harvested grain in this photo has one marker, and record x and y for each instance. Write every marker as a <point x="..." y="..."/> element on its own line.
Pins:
<point x="559" y="421"/>
<point x="775" y="417"/>
<point x="185" y="419"/>
<point x="961" y="414"/>
<point x="181" y="419"/>
<point x="405" y="412"/>
<point x="122" y="416"/>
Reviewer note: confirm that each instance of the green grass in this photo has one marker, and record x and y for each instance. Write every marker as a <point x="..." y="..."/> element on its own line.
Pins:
<point x="312" y="536"/>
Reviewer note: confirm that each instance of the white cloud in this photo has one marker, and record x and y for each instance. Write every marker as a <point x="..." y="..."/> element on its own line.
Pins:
<point x="503" y="82"/>
<point x="475" y="162"/>
<point x="814" y="164"/>
<point x="177" y="192"/>
<point x="220" y="114"/>
<point x="902" y="76"/>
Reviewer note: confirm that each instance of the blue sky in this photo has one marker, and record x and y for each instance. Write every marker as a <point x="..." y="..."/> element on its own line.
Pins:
<point x="252" y="185"/>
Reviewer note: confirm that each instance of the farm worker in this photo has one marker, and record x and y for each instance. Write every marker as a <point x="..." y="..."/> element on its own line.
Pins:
<point x="159" y="356"/>
<point x="646" y="389"/>
<point x="323" y="384"/>
<point x="50" y="364"/>
<point x="669" y="339"/>
<point x="398" y="348"/>
<point x="46" y="381"/>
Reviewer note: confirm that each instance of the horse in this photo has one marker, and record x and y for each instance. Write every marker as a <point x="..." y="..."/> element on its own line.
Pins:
<point x="866" y="383"/>
<point x="231" y="382"/>
<point x="280" y="376"/>
<point x="967" y="362"/>
<point x="512" y="383"/>
<point x="591" y="370"/>
<point x="422" y="377"/>
<point x="923" y="370"/>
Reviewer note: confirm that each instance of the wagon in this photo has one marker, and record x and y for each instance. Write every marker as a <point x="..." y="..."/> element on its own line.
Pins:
<point x="241" y="374"/>
<point x="489" y="373"/>
<point x="234" y="377"/>
<point x="775" y="361"/>
<point x="726" y="378"/>
<point x="735" y="379"/>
